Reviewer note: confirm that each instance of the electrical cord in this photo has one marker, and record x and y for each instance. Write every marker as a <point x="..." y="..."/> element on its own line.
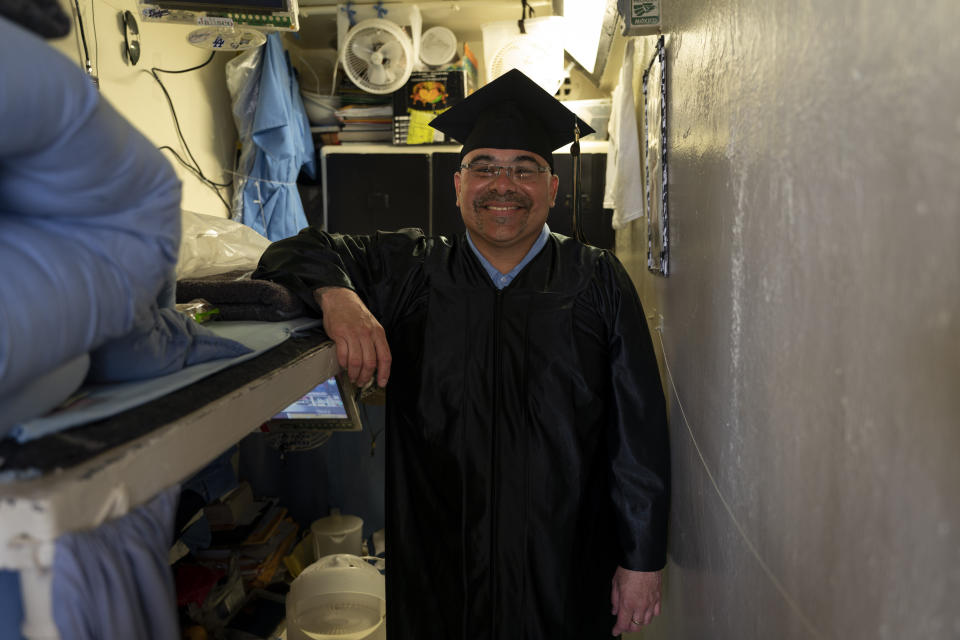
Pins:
<point x="96" y="40"/>
<point x="365" y="418"/>
<point x="189" y="167"/>
<point x="195" y="167"/>
<point x="88" y="65"/>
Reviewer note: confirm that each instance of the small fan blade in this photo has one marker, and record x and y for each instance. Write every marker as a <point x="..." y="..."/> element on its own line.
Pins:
<point x="362" y="50"/>
<point x="377" y="74"/>
<point x="393" y="50"/>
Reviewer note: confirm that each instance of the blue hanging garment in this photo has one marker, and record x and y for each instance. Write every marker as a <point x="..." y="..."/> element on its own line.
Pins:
<point x="275" y="141"/>
<point x="115" y="581"/>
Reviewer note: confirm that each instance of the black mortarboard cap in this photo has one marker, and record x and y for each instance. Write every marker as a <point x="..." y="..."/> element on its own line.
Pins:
<point x="512" y="112"/>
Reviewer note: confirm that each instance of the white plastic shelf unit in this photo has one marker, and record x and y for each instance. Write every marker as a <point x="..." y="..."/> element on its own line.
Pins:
<point x="34" y="512"/>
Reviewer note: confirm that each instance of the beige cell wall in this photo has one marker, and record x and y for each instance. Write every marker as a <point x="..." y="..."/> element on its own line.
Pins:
<point x="810" y="327"/>
<point x="200" y="97"/>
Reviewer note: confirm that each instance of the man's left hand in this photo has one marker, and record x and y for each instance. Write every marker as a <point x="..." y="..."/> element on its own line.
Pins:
<point x="635" y="598"/>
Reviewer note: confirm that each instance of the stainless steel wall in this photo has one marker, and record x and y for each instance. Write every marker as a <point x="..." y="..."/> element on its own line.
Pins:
<point x="811" y="322"/>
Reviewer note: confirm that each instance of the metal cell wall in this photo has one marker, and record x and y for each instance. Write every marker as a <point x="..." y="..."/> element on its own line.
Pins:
<point x="810" y="326"/>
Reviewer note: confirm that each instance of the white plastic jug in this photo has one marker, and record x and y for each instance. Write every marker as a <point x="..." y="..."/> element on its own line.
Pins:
<point x="337" y="533"/>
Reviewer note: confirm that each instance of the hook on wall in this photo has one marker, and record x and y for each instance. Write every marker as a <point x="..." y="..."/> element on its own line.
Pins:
<point x="131" y="37"/>
<point x="526" y="11"/>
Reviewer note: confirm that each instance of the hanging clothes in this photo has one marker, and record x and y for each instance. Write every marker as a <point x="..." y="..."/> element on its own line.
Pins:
<point x="624" y="189"/>
<point x="115" y="581"/>
<point x="275" y="141"/>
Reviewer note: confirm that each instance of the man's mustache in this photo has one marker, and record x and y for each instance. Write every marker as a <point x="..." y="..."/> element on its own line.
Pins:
<point x="510" y="197"/>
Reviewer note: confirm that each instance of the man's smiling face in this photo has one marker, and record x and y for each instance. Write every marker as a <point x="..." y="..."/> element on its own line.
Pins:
<point x="501" y="212"/>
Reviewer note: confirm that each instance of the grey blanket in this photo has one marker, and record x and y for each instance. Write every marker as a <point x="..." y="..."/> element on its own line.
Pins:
<point x="240" y="298"/>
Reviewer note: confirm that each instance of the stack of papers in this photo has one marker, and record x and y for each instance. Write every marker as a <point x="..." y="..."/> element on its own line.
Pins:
<point x="366" y="123"/>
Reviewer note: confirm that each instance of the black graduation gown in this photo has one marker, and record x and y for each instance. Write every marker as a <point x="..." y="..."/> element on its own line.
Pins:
<point x="528" y="452"/>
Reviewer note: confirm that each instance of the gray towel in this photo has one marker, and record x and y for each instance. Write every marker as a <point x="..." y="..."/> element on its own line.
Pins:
<point x="240" y="298"/>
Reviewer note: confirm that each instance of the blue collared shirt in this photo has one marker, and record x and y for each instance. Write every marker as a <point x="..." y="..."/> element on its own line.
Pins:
<point x="501" y="280"/>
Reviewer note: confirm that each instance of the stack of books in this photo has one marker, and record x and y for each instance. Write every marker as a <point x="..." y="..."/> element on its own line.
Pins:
<point x="366" y="123"/>
<point x="256" y="537"/>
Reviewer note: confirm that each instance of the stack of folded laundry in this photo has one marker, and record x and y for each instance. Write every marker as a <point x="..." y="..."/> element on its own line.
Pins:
<point x="238" y="297"/>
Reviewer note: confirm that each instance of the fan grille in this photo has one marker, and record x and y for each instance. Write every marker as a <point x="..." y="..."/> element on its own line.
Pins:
<point x="339" y="616"/>
<point x="530" y="57"/>
<point x="377" y="56"/>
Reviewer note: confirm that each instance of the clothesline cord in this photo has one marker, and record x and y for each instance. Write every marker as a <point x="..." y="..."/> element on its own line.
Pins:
<point x="245" y="176"/>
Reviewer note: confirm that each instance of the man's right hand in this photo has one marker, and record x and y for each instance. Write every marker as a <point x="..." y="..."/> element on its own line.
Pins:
<point x="362" y="347"/>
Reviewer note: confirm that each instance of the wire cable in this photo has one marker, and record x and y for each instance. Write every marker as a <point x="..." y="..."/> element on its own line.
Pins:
<point x="83" y="40"/>
<point x="189" y="167"/>
<point x="365" y="418"/>
<point x="741" y="529"/>
<point x="96" y="41"/>
<point x="195" y="167"/>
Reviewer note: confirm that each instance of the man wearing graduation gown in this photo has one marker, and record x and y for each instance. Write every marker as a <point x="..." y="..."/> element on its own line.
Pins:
<point x="527" y="470"/>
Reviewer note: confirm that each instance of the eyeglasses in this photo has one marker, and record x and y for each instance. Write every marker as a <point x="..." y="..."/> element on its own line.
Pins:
<point x="522" y="173"/>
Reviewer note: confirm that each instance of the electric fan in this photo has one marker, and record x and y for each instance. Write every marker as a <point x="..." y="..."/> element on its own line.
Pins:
<point x="538" y="53"/>
<point x="528" y="55"/>
<point x="377" y="56"/>
<point x="338" y="597"/>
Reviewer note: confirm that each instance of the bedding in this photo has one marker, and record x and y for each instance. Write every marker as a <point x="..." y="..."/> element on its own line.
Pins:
<point x="89" y="228"/>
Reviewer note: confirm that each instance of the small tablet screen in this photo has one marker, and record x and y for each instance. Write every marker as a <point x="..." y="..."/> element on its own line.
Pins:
<point x="322" y="402"/>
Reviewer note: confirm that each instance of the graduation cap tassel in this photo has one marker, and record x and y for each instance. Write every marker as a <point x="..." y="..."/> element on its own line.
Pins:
<point x="575" y="206"/>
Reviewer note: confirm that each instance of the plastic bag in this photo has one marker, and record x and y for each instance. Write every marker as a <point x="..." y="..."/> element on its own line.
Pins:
<point x="199" y="309"/>
<point x="212" y="245"/>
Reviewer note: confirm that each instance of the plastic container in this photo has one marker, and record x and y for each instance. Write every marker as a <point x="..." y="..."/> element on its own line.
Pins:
<point x="438" y="46"/>
<point x="337" y="533"/>
<point x="595" y="113"/>
<point x="321" y="110"/>
<point x="339" y="597"/>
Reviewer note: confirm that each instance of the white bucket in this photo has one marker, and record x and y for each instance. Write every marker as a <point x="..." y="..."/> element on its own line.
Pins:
<point x="337" y="533"/>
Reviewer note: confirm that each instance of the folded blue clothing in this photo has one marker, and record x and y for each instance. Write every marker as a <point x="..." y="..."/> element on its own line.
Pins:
<point x="99" y="401"/>
<point x="161" y="342"/>
<point x="166" y="342"/>
<point x="42" y="393"/>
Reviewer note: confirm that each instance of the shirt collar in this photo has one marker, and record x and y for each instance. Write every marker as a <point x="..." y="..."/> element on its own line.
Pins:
<point x="501" y="280"/>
